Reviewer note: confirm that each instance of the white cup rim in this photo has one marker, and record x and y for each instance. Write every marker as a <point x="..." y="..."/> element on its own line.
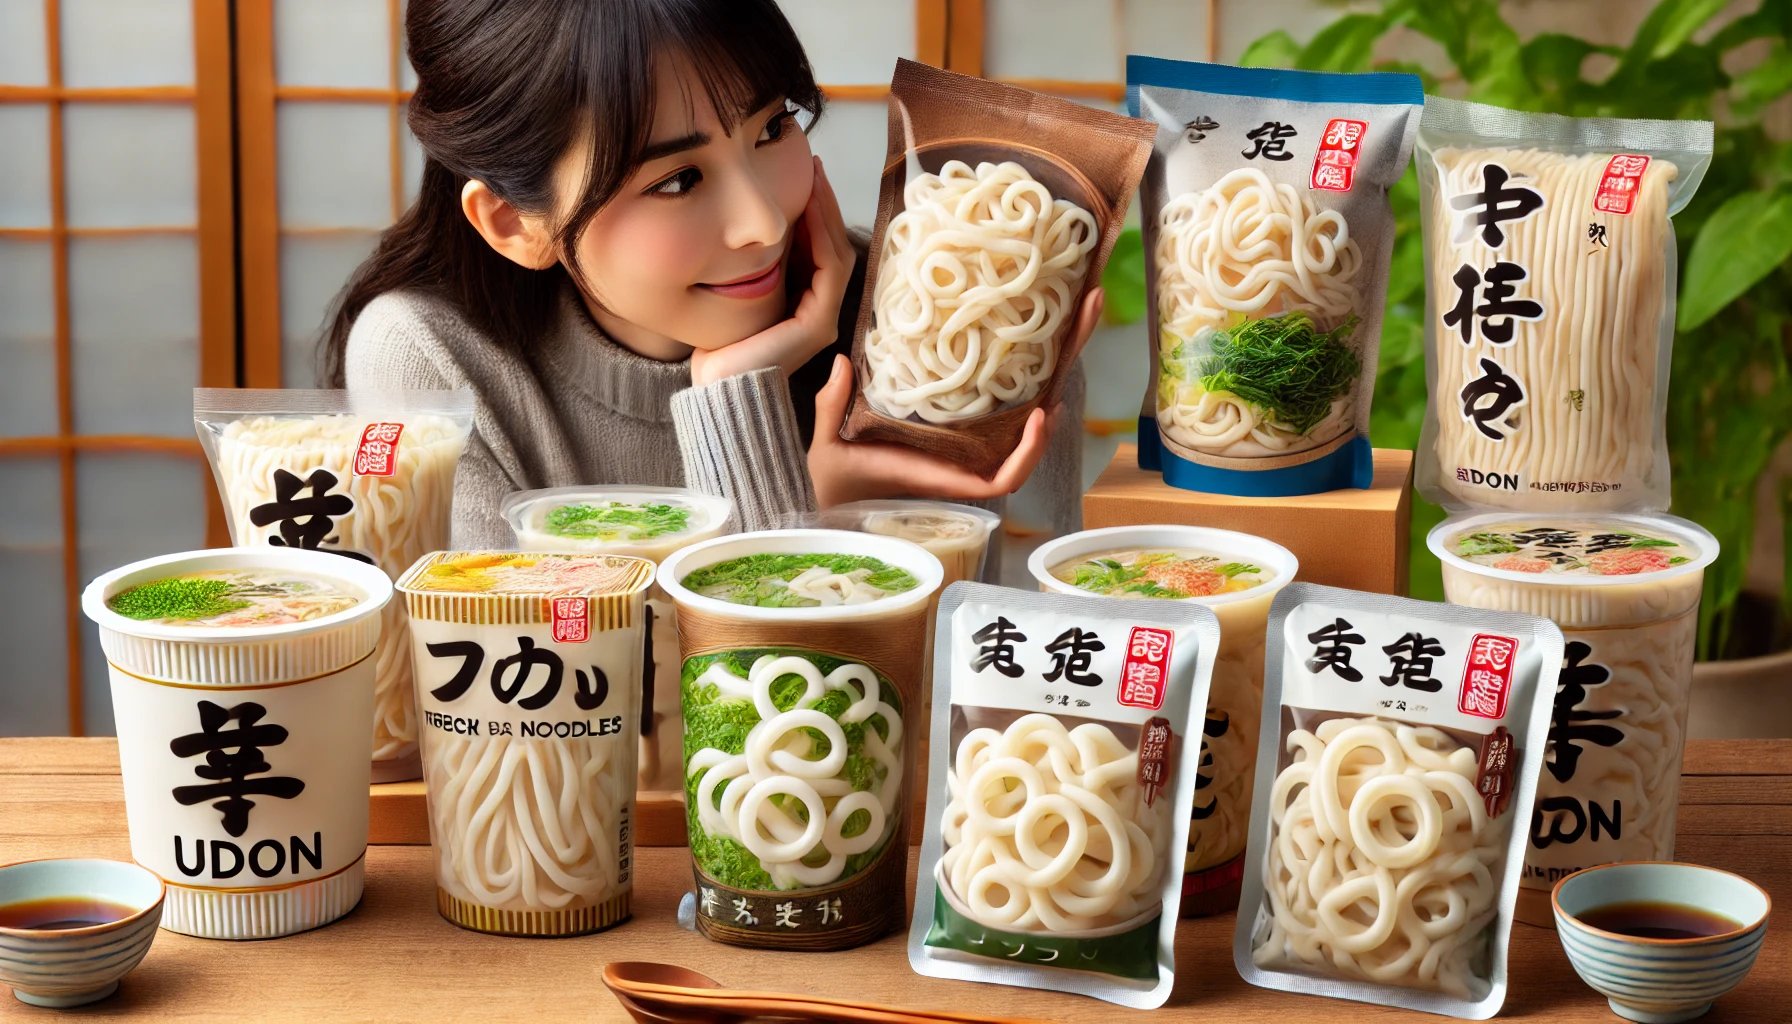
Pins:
<point x="917" y="560"/>
<point x="1279" y="558"/>
<point x="1685" y="529"/>
<point x="1555" y="902"/>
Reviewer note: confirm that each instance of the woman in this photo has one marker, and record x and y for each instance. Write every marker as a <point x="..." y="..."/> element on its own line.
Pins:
<point x="623" y="246"/>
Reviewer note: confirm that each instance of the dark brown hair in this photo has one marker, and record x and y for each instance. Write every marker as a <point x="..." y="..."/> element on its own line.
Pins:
<point x="504" y="89"/>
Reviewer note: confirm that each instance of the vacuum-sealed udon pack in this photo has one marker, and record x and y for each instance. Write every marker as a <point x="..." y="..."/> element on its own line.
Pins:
<point x="1268" y="238"/>
<point x="998" y="209"/>
<point x="1549" y="321"/>
<point x="1065" y="741"/>
<point x="367" y="475"/>
<point x="1400" y="751"/>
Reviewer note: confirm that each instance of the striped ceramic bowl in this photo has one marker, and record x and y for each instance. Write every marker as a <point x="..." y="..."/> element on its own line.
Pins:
<point x="72" y="966"/>
<point x="1660" y="981"/>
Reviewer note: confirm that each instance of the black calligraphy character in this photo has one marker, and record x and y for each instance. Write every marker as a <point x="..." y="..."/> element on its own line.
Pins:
<point x="231" y="772"/>
<point x="1217" y="725"/>
<point x="1495" y="384"/>
<point x="1269" y="141"/>
<point x="1553" y="544"/>
<point x="1495" y="203"/>
<point x="1565" y="730"/>
<point x="998" y="640"/>
<point x="304" y="522"/>
<point x="1196" y="130"/>
<point x="590" y="692"/>
<point x="1596" y="235"/>
<point x="472" y="659"/>
<point x="1410" y="662"/>
<point x="525" y="659"/>
<point x="1497" y="289"/>
<point x="1331" y="650"/>
<point x="1071" y="654"/>
<point x="1461" y="315"/>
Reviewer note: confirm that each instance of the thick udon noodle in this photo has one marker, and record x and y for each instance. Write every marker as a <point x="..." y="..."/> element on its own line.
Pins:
<point x="980" y="271"/>
<point x="1052" y="822"/>
<point x="1588" y="367"/>
<point x="734" y="791"/>
<point x="1381" y="859"/>
<point x="1243" y="249"/>
<point x="396" y="520"/>
<point x="526" y="824"/>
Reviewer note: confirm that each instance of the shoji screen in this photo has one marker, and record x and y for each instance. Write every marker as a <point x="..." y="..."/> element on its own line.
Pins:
<point x="116" y="299"/>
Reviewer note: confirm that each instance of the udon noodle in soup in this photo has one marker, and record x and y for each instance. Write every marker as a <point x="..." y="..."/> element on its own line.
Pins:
<point x="233" y="598"/>
<point x="522" y="573"/>
<point x="800" y="580"/>
<point x="1165" y="573"/>
<point x="1581" y="548"/>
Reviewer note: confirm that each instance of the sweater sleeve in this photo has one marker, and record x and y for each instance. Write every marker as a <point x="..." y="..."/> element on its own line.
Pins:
<point x="1060" y="472"/>
<point x="739" y="440"/>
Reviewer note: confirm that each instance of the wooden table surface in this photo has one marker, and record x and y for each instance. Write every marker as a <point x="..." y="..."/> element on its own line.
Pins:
<point x="394" y="959"/>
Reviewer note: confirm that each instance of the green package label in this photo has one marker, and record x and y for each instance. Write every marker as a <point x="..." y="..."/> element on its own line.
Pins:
<point x="1128" y="954"/>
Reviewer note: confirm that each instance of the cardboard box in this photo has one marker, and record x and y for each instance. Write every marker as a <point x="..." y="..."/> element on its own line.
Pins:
<point x="1350" y="538"/>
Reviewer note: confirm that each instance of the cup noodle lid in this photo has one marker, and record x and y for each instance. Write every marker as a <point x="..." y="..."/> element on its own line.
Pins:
<point x="1266" y="553"/>
<point x="527" y="511"/>
<point x="1685" y="531"/>
<point x="240" y="655"/>
<point x="920" y="563"/>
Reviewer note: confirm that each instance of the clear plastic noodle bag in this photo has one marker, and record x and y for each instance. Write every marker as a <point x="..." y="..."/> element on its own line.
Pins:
<point x="1549" y="323"/>
<point x="365" y="474"/>
<point x="1268" y="239"/>
<point x="1061" y="782"/>
<point x="1399" y="756"/>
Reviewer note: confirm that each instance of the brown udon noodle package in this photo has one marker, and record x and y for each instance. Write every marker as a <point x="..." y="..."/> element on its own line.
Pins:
<point x="998" y="209"/>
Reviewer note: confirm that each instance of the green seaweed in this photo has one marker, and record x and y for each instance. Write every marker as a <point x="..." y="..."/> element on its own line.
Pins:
<point x="760" y="579"/>
<point x="1485" y="544"/>
<point x="179" y="598"/>
<point x="612" y="520"/>
<point x="1284" y="365"/>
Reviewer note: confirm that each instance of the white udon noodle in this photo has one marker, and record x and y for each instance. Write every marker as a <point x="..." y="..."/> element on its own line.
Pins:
<point x="396" y="520"/>
<point x="1243" y="249"/>
<point x="1599" y="334"/>
<point x="1382" y="866"/>
<point x="778" y="762"/>
<point x="1053" y="821"/>
<point x="527" y="824"/>
<point x="979" y="273"/>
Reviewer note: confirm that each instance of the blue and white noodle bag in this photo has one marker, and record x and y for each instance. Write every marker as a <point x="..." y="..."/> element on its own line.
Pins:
<point x="1268" y="238"/>
<point x="1400" y="751"/>
<point x="1062" y="779"/>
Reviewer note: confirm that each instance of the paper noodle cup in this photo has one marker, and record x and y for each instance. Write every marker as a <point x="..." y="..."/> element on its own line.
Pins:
<point x="705" y="516"/>
<point x="1214" y="863"/>
<point x="1611" y="780"/>
<point x="528" y="670"/>
<point x="242" y="788"/>
<point x="833" y="874"/>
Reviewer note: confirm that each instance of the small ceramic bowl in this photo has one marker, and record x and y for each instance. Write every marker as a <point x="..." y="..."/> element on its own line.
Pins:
<point x="1660" y="981"/>
<point x="75" y="966"/>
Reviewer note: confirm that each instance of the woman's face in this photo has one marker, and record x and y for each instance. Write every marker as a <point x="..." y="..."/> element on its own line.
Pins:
<point x="693" y="250"/>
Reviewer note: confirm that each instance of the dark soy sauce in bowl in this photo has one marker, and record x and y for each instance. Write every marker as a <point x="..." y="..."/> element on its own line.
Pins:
<point x="1649" y="919"/>
<point x="60" y="913"/>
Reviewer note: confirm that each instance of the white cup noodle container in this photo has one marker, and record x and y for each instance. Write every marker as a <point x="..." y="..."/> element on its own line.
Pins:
<point x="957" y="535"/>
<point x="1214" y="863"/>
<point x="529" y="706"/>
<point x="662" y="735"/>
<point x="852" y="892"/>
<point x="1611" y="779"/>
<point x="242" y="789"/>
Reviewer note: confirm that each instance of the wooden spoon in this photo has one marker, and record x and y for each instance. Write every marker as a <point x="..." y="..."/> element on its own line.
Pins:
<point x="669" y="984"/>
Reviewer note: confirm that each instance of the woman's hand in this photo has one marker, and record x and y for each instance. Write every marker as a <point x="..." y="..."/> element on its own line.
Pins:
<point x="813" y="325"/>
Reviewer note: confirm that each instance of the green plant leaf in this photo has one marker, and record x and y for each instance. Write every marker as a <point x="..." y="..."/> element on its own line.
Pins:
<point x="1669" y="26"/>
<point x="1275" y="50"/>
<point x="1123" y="279"/>
<point x="1748" y="236"/>
<point x="1347" y="44"/>
<point x="1760" y="85"/>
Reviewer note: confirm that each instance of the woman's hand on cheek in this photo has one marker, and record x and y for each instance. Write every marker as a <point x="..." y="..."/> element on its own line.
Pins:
<point x="814" y="323"/>
<point x="846" y="471"/>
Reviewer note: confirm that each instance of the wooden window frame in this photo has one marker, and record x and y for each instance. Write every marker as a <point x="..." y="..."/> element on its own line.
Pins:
<point x="214" y="234"/>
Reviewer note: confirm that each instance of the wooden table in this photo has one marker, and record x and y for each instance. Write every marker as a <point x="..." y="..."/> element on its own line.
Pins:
<point x="394" y="959"/>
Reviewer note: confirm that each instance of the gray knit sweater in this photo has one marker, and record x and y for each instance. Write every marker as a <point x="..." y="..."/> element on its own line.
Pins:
<point x="585" y="410"/>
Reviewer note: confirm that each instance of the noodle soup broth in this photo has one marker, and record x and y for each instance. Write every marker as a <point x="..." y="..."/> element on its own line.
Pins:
<point x="1238" y="576"/>
<point x="234" y="598"/>
<point x="800" y="678"/>
<point x="528" y="668"/>
<point x="1625" y="592"/>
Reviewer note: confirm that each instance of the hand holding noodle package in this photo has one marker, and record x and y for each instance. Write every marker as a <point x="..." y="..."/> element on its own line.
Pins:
<point x="998" y="209"/>
<point x="1268" y="237"/>
<point x="363" y="474"/>
<point x="1062" y="783"/>
<point x="1550" y="272"/>
<point x="1400" y="751"/>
